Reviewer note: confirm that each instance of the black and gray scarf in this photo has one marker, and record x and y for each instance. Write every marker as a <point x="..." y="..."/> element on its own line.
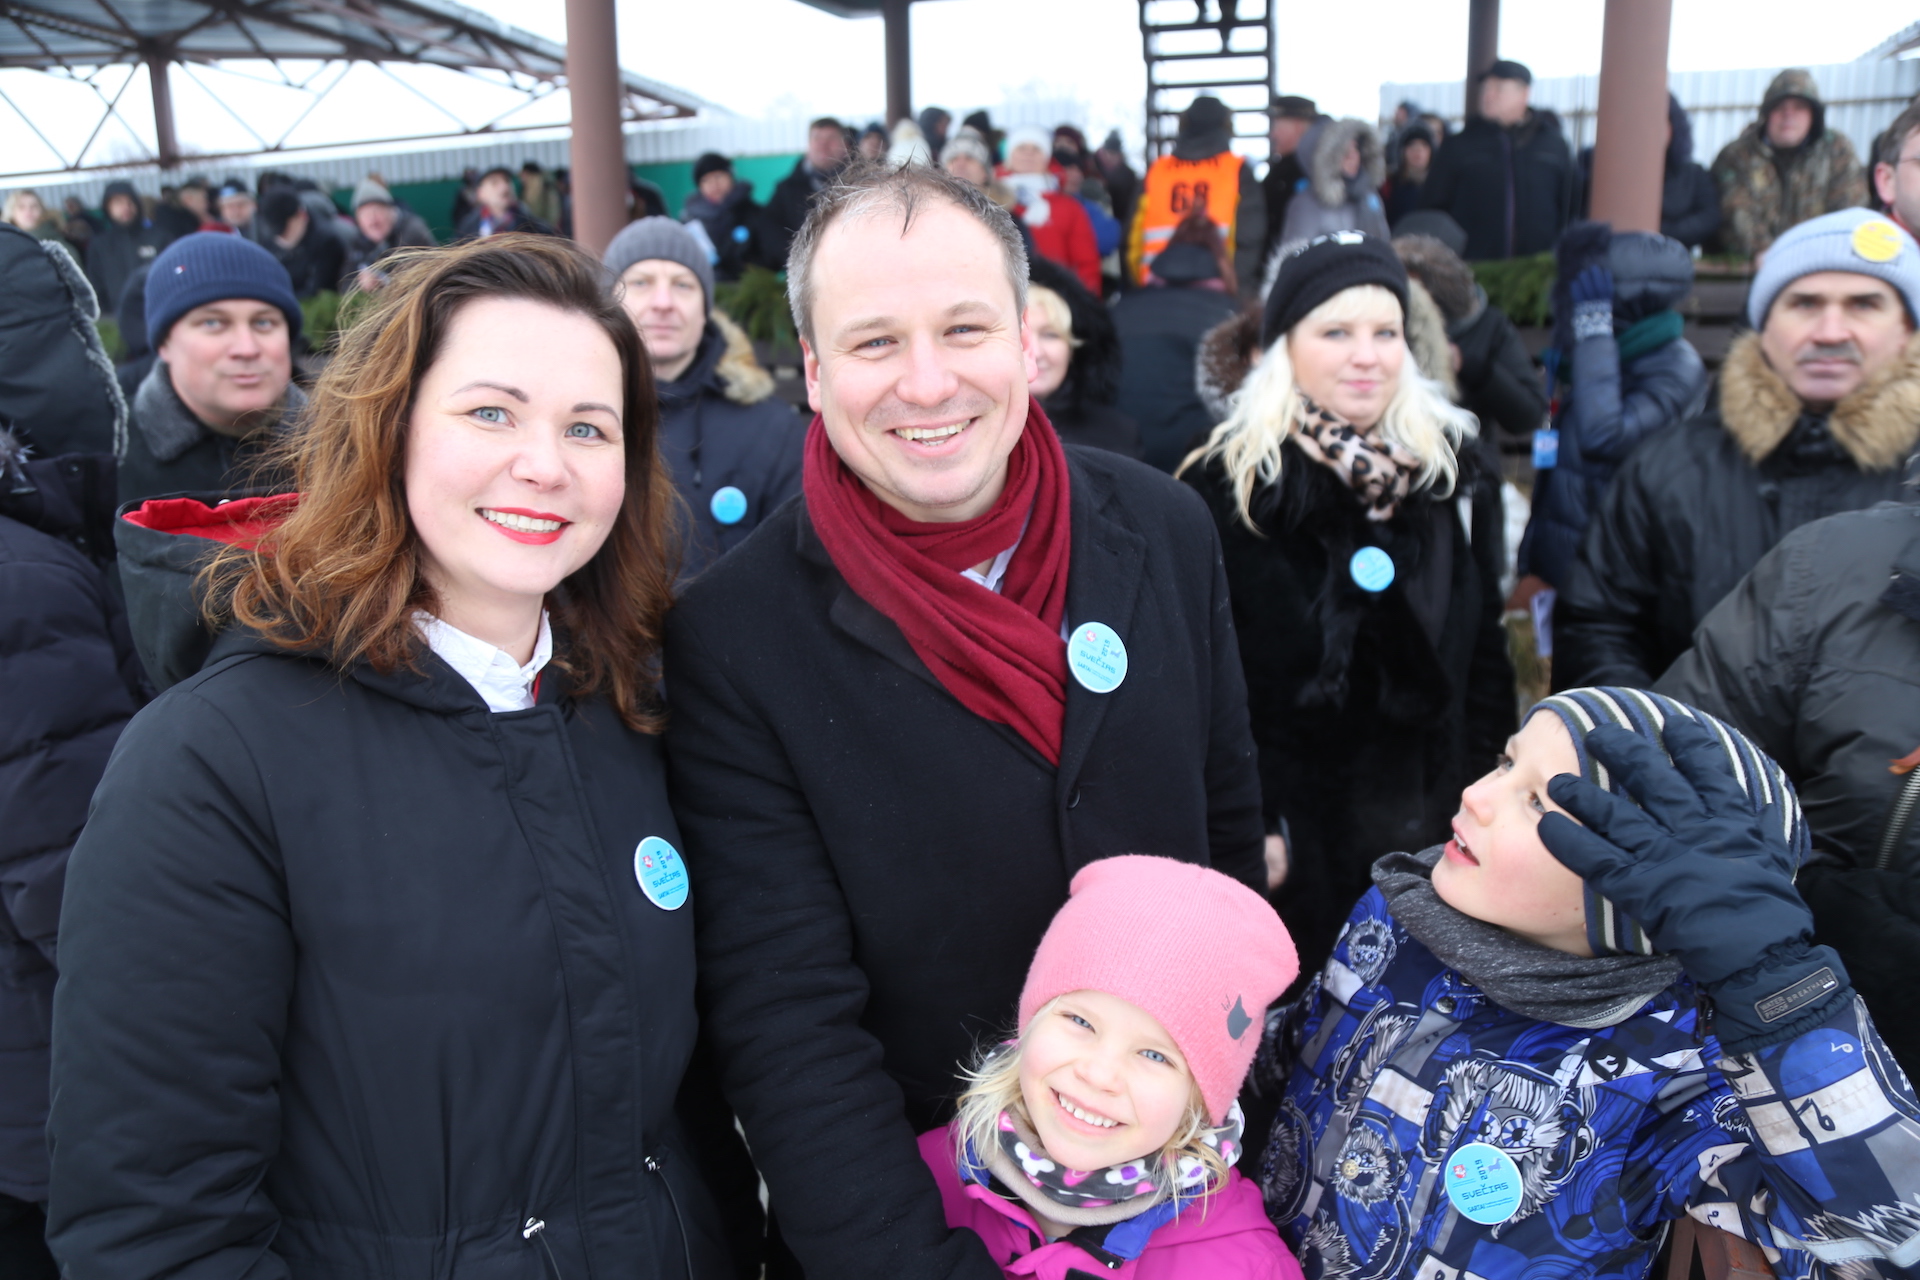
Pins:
<point x="1524" y="977"/>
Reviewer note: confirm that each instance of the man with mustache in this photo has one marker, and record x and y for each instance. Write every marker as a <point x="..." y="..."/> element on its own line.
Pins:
<point x="912" y="704"/>
<point x="1815" y="413"/>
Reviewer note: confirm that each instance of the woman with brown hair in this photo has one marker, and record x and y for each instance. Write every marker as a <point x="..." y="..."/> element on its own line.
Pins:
<point x="377" y="959"/>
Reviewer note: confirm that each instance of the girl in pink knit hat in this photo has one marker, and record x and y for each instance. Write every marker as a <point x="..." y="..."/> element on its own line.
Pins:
<point x="1103" y="1138"/>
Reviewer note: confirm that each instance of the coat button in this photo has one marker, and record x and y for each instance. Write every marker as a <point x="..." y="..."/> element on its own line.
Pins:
<point x="1073" y="798"/>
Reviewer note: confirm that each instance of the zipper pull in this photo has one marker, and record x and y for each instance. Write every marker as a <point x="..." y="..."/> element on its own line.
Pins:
<point x="653" y="1165"/>
<point x="533" y="1228"/>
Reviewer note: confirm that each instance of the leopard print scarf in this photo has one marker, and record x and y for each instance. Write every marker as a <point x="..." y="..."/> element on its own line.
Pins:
<point x="1379" y="472"/>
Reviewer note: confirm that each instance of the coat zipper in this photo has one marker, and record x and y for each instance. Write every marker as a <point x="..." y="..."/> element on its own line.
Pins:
<point x="1897" y="821"/>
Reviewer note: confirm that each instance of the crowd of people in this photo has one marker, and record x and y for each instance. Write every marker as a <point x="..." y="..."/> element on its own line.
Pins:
<point x="509" y="795"/>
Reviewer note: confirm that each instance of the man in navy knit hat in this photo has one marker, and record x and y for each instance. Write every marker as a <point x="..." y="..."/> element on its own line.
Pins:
<point x="222" y="319"/>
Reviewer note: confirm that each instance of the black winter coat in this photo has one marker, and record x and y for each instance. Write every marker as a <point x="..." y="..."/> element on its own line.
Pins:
<point x="1099" y="426"/>
<point x="116" y="251"/>
<point x="1498" y="382"/>
<point x="315" y="262"/>
<point x="876" y="863"/>
<point x="1160" y="331"/>
<point x="1816" y="655"/>
<point x="737" y="226"/>
<point x="69" y="683"/>
<point x="1371" y="712"/>
<point x="721" y="426"/>
<point x="1511" y="189"/>
<point x="1610" y="408"/>
<point x="356" y="980"/>
<point x="518" y="219"/>
<point x="1691" y="511"/>
<point x="787" y="209"/>
<point x="57" y="392"/>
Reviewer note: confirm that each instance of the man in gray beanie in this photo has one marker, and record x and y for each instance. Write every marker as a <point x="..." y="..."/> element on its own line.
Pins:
<point x="380" y="227"/>
<point x="1816" y="412"/>
<point x="732" y="445"/>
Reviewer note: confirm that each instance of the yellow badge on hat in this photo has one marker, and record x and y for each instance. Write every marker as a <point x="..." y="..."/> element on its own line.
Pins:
<point x="1876" y="240"/>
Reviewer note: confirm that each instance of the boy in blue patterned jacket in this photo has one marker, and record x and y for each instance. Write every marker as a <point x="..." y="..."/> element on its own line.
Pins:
<point x="1538" y="1043"/>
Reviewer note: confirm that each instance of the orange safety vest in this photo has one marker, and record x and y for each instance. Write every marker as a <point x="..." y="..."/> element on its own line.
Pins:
<point x="1168" y="195"/>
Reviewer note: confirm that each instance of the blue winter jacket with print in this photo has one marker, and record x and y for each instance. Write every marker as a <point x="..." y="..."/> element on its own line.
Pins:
<point x="1392" y="1061"/>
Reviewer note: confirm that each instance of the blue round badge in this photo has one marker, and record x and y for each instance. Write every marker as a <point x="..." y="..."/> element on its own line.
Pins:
<point x="1372" y="569"/>
<point x="729" y="506"/>
<point x="661" y="873"/>
<point x="1483" y="1183"/>
<point x="1097" y="657"/>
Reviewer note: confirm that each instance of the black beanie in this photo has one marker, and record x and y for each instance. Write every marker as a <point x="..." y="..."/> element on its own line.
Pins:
<point x="1326" y="266"/>
<point x="711" y="162"/>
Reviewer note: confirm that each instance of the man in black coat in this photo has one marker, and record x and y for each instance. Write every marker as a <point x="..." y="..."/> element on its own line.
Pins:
<point x="875" y="861"/>
<point x="1509" y="177"/>
<point x="222" y="318"/>
<point x="1292" y="116"/>
<point x="1815" y="414"/>
<point x="127" y="242"/>
<point x="1160" y="330"/>
<point x="1815" y="656"/>
<point x="312" y="254"/>
<point x="793" y="196"/>
<point x="732" y="445"/>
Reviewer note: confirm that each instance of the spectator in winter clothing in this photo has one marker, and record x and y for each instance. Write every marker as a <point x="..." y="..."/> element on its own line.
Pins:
<point x="1402" y="193"/>
<point x="919" y="591"/>
<point x="1290" y="118"/>
<point x="127" y="242"/>
<point x="1123" y="184"/>
<point x="1816" y="412"/>
<point x="1625" y="371"/>
<point x="238" y="209"/>
<point x="1689" y="201"/>
<point x="472" y="1067"/>
<point x="1160" y="328"/>
<point x="1496" y="378"/>
<point x="539" y="195"/>
<point x="380" y="226"/>
<point x="1202" y="172"/>
<point x="313" y="256"/>
<point x="732" y="446"/>
<point x="1372" y="697"/>
<point x="1614" y="1023"/>
<point x="1341" y="190"/>
<point x="56" y="388"/>
<point x="1060" y="227"/>
<point x="725" y="207"/>
<point x="826" y="155"/>
<point x="497" y="210"/>
<point x="1509" y="178"/>
<point x="1896" y="170"/>
<point x="25" y="211"/>
<point x="1784" y="168"/>
<point x="1080" y="178"/>
<point x="1077" y="354"/>
<point x="1812" y="655"/>
<point x="223" y="327"/>
<point x="934" y="124"/>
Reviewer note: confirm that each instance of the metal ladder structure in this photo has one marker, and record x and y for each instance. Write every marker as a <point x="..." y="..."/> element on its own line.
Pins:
<point x="1222" y="47"/>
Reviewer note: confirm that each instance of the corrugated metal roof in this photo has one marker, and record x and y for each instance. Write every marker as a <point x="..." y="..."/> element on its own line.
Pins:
<point x="1862" y="99"/>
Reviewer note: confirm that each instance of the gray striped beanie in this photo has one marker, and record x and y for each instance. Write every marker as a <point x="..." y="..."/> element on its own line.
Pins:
<point x="1581" y="710"/>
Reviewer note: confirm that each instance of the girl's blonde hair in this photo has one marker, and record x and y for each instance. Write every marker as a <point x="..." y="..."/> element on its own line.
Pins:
<point x="1055" y="308"/>
<point x="993" y="1086"/>
<point x="1419" y="418"/>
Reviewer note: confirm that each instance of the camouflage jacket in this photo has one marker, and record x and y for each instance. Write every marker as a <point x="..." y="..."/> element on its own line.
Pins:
<point x="1758" y="200"/>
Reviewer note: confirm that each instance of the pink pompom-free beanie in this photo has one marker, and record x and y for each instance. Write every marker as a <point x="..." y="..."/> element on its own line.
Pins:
<point x="1201" y="952"/>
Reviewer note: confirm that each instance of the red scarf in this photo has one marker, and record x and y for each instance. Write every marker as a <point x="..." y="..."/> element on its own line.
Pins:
<point x="1000" y="654"/>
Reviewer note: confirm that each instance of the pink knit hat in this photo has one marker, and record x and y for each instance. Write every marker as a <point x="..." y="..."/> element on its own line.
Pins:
<point x="1201" y="952"/>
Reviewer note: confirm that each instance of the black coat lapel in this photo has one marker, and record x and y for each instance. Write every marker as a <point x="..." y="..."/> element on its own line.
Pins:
<point x="1103" y="585"/>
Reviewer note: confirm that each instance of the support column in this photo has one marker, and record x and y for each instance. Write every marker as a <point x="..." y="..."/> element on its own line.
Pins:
<point x="1629" y="157"/>
<point x="166" y="140"/>
<point x="599" y="148"/>
<point x="899" y="60"/>
<point x="1483" y="47"/>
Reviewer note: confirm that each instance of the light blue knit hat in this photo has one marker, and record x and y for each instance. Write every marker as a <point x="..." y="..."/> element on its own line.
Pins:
<point x="1857" y="240"/>
<point x="1647" y="714"/>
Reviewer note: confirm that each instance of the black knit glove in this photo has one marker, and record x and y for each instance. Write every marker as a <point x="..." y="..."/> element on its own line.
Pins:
<point x="1707" y="878"/>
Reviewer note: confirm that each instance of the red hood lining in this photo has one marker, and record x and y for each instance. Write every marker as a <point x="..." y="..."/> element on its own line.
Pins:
<point x="242" y="522"/>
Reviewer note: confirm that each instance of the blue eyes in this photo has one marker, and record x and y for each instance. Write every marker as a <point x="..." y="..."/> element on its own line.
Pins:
<point x="1154" y="1055"/>
<point x="582" y="431"/>
<point x="494" y="415"/>
<point x="491" y="413"/>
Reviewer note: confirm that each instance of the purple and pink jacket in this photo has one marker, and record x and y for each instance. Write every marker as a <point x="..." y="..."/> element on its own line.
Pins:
<point x="1231" y="1240"/>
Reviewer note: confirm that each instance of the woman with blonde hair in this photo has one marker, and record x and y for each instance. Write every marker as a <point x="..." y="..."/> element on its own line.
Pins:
<point x="378" y="959"/>
<point x="1376" y="664"/>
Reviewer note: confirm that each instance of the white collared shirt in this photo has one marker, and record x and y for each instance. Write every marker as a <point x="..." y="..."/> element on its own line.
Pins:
<point x="502" y="683"/>
<point x="995" y="571"/>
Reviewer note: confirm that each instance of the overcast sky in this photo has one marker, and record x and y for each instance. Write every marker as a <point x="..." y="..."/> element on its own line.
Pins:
<point x="782" y="57"/>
